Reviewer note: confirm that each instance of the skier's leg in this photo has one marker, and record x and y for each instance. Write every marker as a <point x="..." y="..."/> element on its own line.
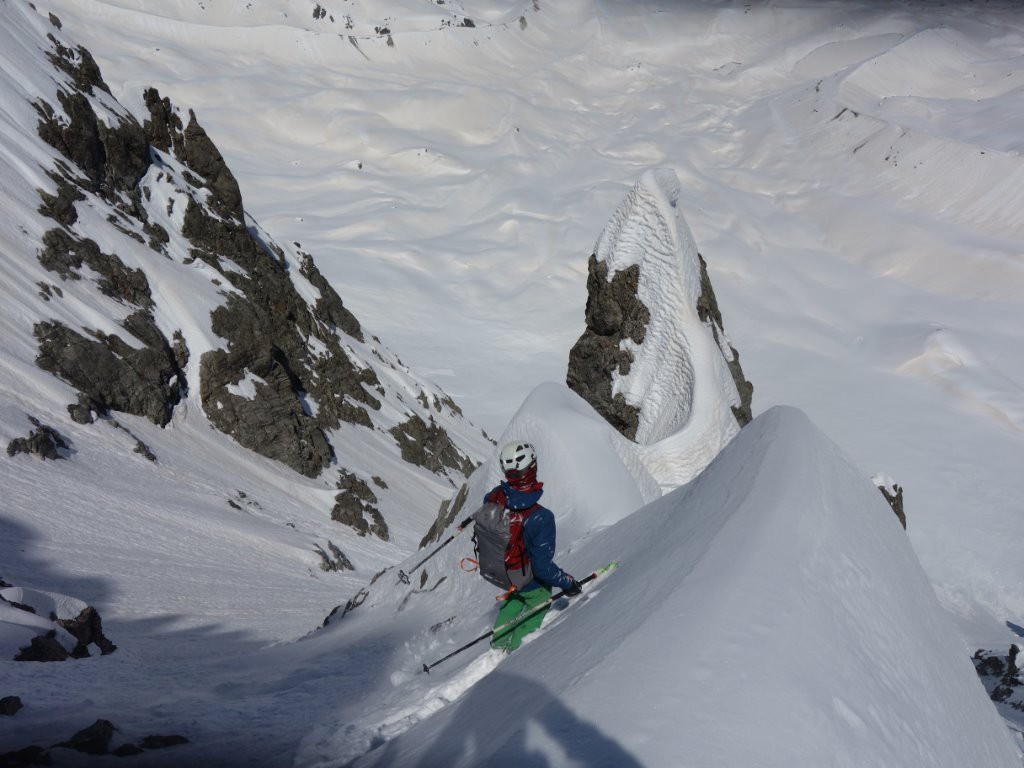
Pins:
<point x="514" y="606"/>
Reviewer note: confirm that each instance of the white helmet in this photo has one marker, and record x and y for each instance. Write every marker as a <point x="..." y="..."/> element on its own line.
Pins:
<point x="516" y="457"/>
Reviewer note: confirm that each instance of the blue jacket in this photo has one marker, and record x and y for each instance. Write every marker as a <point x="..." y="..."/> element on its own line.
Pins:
<point x="538" y="537"/>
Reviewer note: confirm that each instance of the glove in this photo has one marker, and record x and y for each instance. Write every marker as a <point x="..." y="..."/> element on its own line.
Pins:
<point x="573" y="589"/>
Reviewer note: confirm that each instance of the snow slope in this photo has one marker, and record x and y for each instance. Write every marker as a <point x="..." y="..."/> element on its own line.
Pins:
<point x="850" y="171"/>
<point x="770" y="613"/>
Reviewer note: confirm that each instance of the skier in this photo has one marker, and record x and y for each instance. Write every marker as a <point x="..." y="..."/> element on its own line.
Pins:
<point x="532" y="542"/>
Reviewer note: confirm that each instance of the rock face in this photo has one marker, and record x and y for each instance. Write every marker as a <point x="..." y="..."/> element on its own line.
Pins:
<point x="654" y="359"/>
<point x="110" y="373"/>
<point x="267" y="324"/>
<point x="613" y="313"/>
<point x="645" y="263"/>
<point x="44" y="442"/>
<point x="429" y="446"/>
<point x="285" y="374"/>
<point x="354" y="504"/>
<point x="69" y="626"/>
<point x="160" y="297"/>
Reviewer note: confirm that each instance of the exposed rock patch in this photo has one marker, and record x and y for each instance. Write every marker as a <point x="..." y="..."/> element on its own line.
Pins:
<point x="707" y="310"/>
<point x="111" y="374"/>
<point x="66" y="255"/>
<point x="613" y="313"/>
<point x="334" y="559"/>
<point x="87" y="629"/>
<point x="446" y="515"/>
<point x="355" y="503"/>
<point x="94" y="740"/>
<point x="44" y="441"/>
<point x="895" y="498"/>
<point x="9" y="705"/>
<point x="43" y="648"/>
<point x="1001" y="676"/>
<point x="429" y="446"/>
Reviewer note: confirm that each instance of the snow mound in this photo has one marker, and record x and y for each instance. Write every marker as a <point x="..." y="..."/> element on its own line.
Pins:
<point x="776" y="591"/>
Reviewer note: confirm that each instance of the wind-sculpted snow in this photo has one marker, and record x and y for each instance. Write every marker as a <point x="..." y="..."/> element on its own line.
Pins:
<point x="770" y="613"/>
<point x="654" y="359"/>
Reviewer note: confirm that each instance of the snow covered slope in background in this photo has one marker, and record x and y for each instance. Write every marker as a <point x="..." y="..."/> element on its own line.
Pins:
<point x="849" y="171"/>
<point x="771" y="613"/>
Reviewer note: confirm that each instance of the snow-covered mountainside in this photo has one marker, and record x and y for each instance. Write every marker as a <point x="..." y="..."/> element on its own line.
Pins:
<point x="144" y="306"/>
<point x="225" y="437"/>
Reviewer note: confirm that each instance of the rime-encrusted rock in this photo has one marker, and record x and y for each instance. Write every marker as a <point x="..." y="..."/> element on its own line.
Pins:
<point x="111" y="374"/>
<point x="613" y="313"/>
<point x="355" y="503"/>
<point x="446" y="515"/>
<point x="654" y="349"/>
<point x="429" y="446"/>
<point x="44" y="441"/>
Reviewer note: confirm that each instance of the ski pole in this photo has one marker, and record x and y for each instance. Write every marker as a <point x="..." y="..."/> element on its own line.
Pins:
<point x="520" y="619"/>
<point x="404" y="577"/>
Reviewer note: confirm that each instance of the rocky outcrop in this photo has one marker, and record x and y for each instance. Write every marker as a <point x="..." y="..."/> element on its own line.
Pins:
<point x="429" y="446"/>
<point x="289" y="365"/>
<point x="355" y="503"/>
<point x="65" y="255"/>
<point x="894" y="496"/>
<point x="613" y="313"/>
<point x="654" y="349"/>
<point x="710" y="315"/>
<point x="333" y="559"/>
<point x="44" y="441"/>
<point x="110" y="374"/>
<point x="1001" y="676"/>
<point x="267" y="325"/>
<point x="96" y="740"/>
<point x="10" y="705"/>
<point x="446" y="515"/>
<point x="73" y="625"/>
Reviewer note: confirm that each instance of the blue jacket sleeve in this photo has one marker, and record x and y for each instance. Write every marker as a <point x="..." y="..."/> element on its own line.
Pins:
<point x="539" y="540"/>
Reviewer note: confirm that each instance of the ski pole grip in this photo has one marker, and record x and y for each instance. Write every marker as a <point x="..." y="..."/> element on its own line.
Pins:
<point x="465" y="523"/>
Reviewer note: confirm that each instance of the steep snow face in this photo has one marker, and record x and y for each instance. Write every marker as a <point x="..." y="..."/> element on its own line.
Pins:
<point x="771" y="612"/>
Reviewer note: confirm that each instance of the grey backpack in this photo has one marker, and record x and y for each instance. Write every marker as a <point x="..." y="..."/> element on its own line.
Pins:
<point x="490" y="540"/>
